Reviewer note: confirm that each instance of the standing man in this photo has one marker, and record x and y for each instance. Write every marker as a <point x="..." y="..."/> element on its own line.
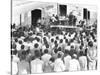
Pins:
<point x="37" y="64"/>
<point x="92" y="56"/>
<point x="83" y="61"/>
<point x="67" y="59"/>
<point x="74" y="64"/>
<point x="59" y="65"/>
<point x="23" y="65"/>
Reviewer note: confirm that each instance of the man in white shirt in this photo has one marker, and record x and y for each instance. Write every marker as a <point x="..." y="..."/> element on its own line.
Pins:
<point x="59" y="65"/>
<point x="14" y="66"/>
<point x="67" y="59"/>
<point x="26" y="45"/>
<point x="72" y="35"/>
<point x="74" y="64"/>
<point x="15" y="61"/>
<point x="68" y="36"/>
<point x="61" y="36"/>
<point x="43" y="48"/>
<point x="46" y="57"/>
<point x="92" y="56"/>
<point x="35" y="46"/>
<point x="37" y="64"/>
<point x="18" y="46"/>
<point x="83" y="61"/>
<point x="51" y="44"/>
<point x="23" y="66"/>
<point x="53" y="18"/>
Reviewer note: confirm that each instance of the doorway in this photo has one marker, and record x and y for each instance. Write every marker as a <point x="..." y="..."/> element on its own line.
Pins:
<point x="35" y="15"/>
<point x="63" y="10"/>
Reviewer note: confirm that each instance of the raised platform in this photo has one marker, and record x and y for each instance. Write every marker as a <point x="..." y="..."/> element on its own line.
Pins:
<point x="62" y="26"/>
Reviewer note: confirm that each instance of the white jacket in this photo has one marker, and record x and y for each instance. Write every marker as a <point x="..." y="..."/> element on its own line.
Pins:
<point x="83" y="62"/>
<point x="67" y="61"/>
<point x="37" y="66"/>
<point x="74" y="65"/>
<point x="59" y="65"/>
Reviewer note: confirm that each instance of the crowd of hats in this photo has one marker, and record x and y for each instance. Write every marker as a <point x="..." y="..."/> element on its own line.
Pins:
<point x="29" y="44"/>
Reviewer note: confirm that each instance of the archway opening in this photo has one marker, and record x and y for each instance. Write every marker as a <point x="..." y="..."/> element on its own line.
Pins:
<point x="35" y="15"/>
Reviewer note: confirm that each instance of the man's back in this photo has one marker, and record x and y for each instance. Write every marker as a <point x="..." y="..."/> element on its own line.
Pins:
<point x="23" y="67"/>
<point x="66" y="61"/>
<point x="59" y="65"/>
<point x="37" y="66"/>
<point x="14" y="68"/>
<point x="74" y="65"/>
<point x="46" y="57"/>
<point x="15" y="64"/>
<point x="83" y="62"/>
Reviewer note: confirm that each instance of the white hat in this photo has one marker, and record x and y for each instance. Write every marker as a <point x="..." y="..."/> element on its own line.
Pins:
<point x="75" y="55"/>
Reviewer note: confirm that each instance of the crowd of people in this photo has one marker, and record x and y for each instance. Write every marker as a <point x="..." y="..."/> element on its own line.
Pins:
<point x="40" y="51"/>
<point x="58" y="20"/>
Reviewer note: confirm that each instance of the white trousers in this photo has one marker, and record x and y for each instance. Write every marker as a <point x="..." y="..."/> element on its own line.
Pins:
<point x="92" y="65"/>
